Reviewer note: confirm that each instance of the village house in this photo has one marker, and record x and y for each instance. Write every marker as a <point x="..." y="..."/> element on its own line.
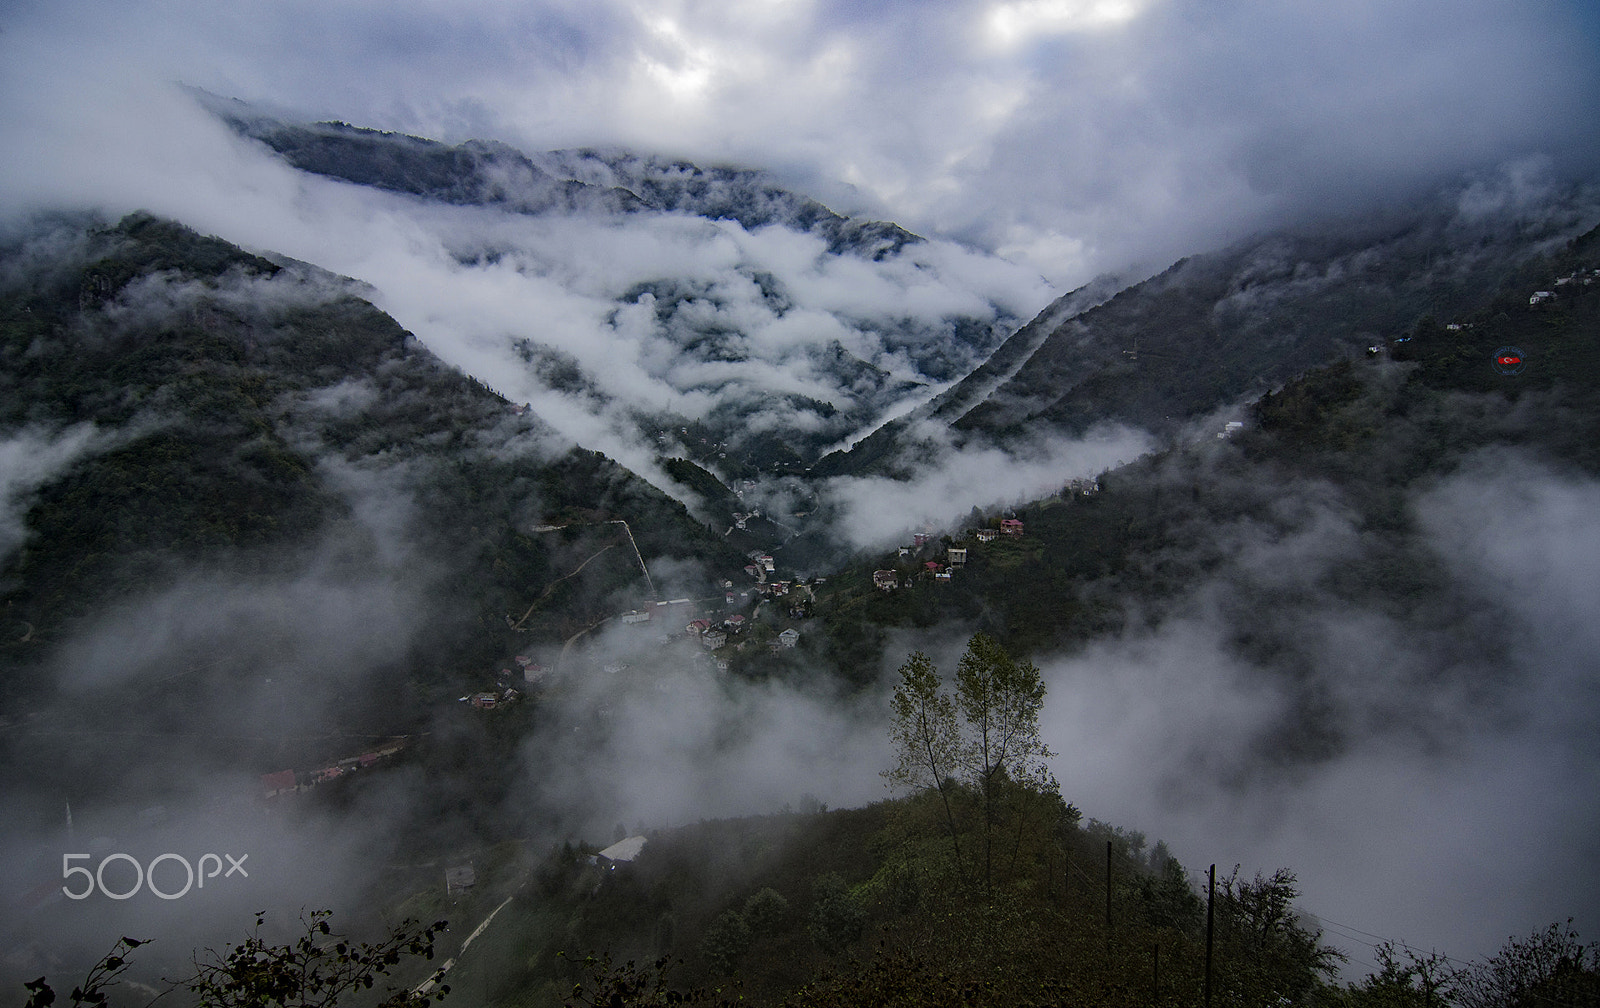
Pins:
<point x="1011" y="526"/>
<point x="274" y="784"/>
<point x="636" y="616"/>
<point x="957" y="555"/>
<point x="620" y="853"/>
<point x="459" y="879"/>
<point x="986" y="535"/>
<point x="326" y="774"/>
<point x="885" y="580"/>
<point x="713" y="639"/>
<point x="789" y="638"/>
<point x="734" y="623"/>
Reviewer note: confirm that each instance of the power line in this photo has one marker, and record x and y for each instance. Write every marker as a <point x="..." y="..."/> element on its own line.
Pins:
<point x="1397" y="943"/>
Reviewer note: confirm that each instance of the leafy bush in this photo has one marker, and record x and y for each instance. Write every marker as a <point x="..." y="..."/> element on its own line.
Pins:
<point x="837" y="917"/>
<point x="726" y="940"/>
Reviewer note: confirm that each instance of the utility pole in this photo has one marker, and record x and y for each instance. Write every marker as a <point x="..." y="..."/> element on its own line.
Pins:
<point x="1108" y="887"/>
<point x="1211" y="898"/>
<point x="1108" y="901"/>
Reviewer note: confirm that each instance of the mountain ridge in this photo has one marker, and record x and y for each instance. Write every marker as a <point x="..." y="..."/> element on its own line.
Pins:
<point x="763" y="303"/>
<point x="1216" y="328"/>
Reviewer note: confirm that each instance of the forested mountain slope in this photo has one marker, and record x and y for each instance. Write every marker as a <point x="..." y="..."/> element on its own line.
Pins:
<point x="1219" y="327"/>
<point x="1345" y="524"/>
<point x="237" y="469"/>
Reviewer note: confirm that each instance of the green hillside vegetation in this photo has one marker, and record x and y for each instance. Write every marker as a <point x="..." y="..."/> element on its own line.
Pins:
<point x="984" y="888"/>
<point x="712" y="491"/>
<point x="844" y="908"/>
<point x="1365" y="434"/>
<point x="676" y="930"/>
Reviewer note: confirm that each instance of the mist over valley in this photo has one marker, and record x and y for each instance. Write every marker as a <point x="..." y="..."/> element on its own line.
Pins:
<point x="414" y="512"/>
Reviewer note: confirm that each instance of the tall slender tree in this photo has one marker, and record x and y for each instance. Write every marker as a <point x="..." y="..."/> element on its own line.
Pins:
<point x="985" y="736"/>
<point x="999" y="700"/>
<point x="926" y="737"/>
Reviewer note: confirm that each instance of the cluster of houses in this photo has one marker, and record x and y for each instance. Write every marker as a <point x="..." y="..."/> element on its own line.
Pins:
<point x="289" y="781"/>
<point x="504" y="693"/>
<point x="955" y="557"/>
<point x="713" y="635"/>
<point x="490" y="699"/>
<point x="671" y="619"/>
<point x="1585" y="277"/>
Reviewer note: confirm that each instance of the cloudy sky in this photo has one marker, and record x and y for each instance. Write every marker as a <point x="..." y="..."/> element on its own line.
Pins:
<point x="1073" y="134"/>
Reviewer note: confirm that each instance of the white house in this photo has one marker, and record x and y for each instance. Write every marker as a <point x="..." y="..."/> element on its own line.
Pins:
<point x="621" y="852"/>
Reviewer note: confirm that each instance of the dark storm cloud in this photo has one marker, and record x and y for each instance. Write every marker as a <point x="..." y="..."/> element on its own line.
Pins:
<point x="1077" y="134"/>
<point x="1198" y="120"/>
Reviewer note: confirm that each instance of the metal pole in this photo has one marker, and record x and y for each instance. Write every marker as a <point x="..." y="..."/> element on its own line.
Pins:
<point x="1108" y="883"/>
<point x="1211" y="897"/>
